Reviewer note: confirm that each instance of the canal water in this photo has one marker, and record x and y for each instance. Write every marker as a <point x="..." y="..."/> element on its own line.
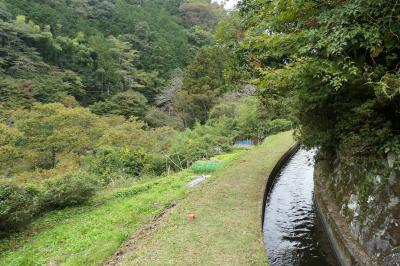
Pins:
<point x="292" y="233"/>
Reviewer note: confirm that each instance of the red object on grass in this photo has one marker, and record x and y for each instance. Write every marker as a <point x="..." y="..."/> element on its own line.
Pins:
<point x="191" y="217"/>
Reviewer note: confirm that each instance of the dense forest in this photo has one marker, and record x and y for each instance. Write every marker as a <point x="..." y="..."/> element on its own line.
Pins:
<point x="96" y="91"/>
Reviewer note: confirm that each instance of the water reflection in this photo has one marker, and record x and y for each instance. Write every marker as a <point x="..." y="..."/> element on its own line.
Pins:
<point x="291" y="230"/>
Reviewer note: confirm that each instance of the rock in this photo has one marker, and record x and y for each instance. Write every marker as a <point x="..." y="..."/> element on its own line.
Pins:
<point x="378" y="245"/>
<point x="393" y="202"/>
<point x="382" y="245"/>
<point x="391" y="158"/>
<point x="377" y="179"/>
<point x="392" y="260"/>
<point x="353" y="205"/>
<point x="342" y="210"/>
<point x="355" y="229"/>
<point x="392" y="178"/>
<point x="370" y="199"/>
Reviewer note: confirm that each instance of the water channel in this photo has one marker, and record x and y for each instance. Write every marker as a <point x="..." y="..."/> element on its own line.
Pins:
<point x="292" y="233"/>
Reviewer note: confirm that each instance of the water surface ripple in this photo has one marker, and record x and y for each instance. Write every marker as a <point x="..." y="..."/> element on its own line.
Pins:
<point x="291" y="231"/>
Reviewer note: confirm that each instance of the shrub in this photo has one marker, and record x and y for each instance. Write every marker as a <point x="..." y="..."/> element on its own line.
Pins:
<point x="68" y="190"/>
<point x="246" y="119"/>
<point x="278" y="125"/>
<point x="157" y="118"/>
<point x="18" y="205"/>
<point x="202" y="142"/>
<point x="155" y="164"/>
<point x="110" y="162"/>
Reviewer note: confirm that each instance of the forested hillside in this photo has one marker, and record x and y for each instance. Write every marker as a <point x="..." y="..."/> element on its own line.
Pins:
<point x="97" y="49"/>
<point x="95" y="91"/>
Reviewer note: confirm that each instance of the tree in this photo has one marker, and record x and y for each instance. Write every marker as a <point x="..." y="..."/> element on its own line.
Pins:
<point x="338" y="63"/>
<point x="49" y="130"/>
<point x="200" y="13"/>
<point x="203" y="81"/>
<point x="128" y="103"/>
<point x="9" y="152"/>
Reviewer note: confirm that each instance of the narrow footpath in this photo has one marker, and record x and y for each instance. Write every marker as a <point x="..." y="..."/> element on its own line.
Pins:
<point x="227" y="226"/>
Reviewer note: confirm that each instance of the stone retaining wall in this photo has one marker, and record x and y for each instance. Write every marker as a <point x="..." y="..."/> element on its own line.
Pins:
<point x="346" y="248"/>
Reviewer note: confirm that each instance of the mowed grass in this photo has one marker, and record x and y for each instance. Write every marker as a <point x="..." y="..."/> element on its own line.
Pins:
<point x="227" y="227"/>
<point x="89" y="234"/>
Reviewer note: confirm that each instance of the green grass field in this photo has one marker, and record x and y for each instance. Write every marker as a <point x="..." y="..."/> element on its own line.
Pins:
<point x="227" y="227"/>
<point x="227" y="230"/>
<point x="89" y="234"/>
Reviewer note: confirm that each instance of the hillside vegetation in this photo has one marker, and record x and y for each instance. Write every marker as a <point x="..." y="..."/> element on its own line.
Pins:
<point x="98" y="91"/>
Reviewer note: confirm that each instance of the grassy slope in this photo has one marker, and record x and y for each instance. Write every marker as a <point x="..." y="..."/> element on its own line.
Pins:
<point x="89" y="234"/>
<point x="227" y="228"/>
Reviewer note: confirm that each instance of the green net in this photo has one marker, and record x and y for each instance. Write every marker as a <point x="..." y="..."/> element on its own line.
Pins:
<point x="206" y="166"/>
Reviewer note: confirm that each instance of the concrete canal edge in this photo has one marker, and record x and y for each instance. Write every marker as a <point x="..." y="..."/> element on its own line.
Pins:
<point x="347" y="250"/>
<point x="272" y="176"/>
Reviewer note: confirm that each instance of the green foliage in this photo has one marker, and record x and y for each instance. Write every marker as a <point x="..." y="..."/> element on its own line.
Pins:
<point x="198" y="143"/>
<point x="248" y="118"/>
<point x="336" y="63"/>
<point x="97" y="228"/>
<point x="278" y="125"/>
<point x="68" y="190"/>
<point x="111" y="162"/>
<point x="52" y="129"/>
<point x="157" y="118"/>
<point x="244" y="118"/>
<point x="18" y="205"/>
<point x="129" y="103"/>
<point x="200" y="13"/>
<point x="214" y="71"/>
<point x="136" y="135"/>
<point x="203" y="82"/>
<point x="110" y="46"/>
<point x="119" y="59"/>
<point x="9" y="152"/>
<point x="79" y="78"/>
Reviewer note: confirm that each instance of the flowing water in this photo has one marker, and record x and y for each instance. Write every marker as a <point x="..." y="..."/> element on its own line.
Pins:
<point x="292" y="232"/>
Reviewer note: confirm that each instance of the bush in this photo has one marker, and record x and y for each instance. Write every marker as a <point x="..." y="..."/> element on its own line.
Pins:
<point x="157" y="118"/>
<point x="278" y="125"/>
<point x="18" y="205"/>
<point x="155" y="164"/>
<point x="109" y="162"/>
<point x="202" y="142"/>
<point x="245" y="119"/>
<point x="68" y="190"/>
